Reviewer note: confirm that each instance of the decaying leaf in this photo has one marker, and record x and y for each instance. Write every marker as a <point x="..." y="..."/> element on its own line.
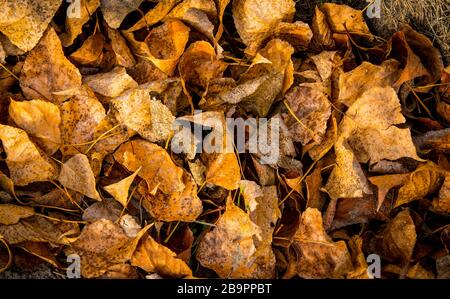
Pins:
<point x="76" y="174"/>
<point x="156" y="258"/>
<point x="47" y="71"/>
<point x="111" y="84"/>
<point x="230" y="245"/>
<point x="25" y="162"/>
<point x="11" y="214"/>
<point x="158" y="169"/>
<point x="120" y="189"/>
<point x="40" y="120"/>
<point x="386" y="183"/>
<point x="442" y="203"/>
<point x="115" y="11"/>
<point x="320" y="257"/>
<point x="25" y="21"/>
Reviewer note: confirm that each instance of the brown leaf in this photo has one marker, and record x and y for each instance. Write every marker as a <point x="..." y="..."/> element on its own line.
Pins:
<point x="120" y="189"/>
<point x="24" y="22"/>
<point x="153" y="16"/>
<point x="91" y="52"/>
<point x="40" y="120"/>
<point x="320" y="257"/>
<point x="312" y="110"/>
<point x="223" y="170"/>
<point x="76" y="174"/>
<point x="178" y="206"/>
<point x="255" y="19"/>
<point x="47" y="71"/>
<point x="442" y="203"/>
<point x="74" y="24"/>
<point x="156" y="258"/>
<point x="425" y="180"/>
<point x="359" y="260"/>
<point x="11" y="214"/>
<point x="115" y="11"/>
<point x="199" y="64"/>
<point x="230" y="245"/>
<point x="158" y="170"/>
<point x="122" y="52"/>
<point x="385" y="183"/>
<point x="25" y="162"/>
<point x="111" y="84"/>
<point x="322" y="34"/>
<point x="166" y="45"/>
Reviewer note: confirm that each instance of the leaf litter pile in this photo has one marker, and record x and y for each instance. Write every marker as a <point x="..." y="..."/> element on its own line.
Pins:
<point x="87" y="105"/>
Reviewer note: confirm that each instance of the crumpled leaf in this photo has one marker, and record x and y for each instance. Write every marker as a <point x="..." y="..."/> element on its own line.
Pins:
<point x="115" y="11"/>
<point x="11" y="214"/>
<point x="76" y="174"/>
<point x="230" y="245"/>
<point x="74" y="24"/>
<point x="40" y="120"/>
<point x="179" y="206"/>
<point x="150" y="118"/>
<point x="80" y="116"/>
<point x="359" y="260"/>
<point x="103" y="244"/>
<point x="263" y="208"/>
<point x="442" y="203"/>
<point x="223" y="170"/>
<point x="368" y="134"/>
<point x="342" y="19"/>
<point x="322" y="34"/>
<point x="39" y="229"/>
<point x="386" y="183"/>
<point x="166" y="45"/>
<point x="25" y="21"/>
<point x="425" y="180"/>
<point x="153" y="16"/>
<point x="154" y="257"/>
<point x="111" y="84"/>
<point x="120" y="189"/>
<point x="270" y="75"/>
<point x="255" y="19"/>
<point x="47" y="71"/>
<point x="399" y="238"/>
<point x="366" y="76"/>
<point x="320" y="257"/>
<point x="158" y="170"/>
<point x="91" y="52"/>
<point x="124" y="56"/>
<point x="25" y="162"/>
<point x="312" y="110"/>
<point x="199" y="64"/>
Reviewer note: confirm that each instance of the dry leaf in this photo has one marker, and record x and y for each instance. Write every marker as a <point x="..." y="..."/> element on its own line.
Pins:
<point x="158" y="170"/>
<point x="76" y="174"/>
<point x="425" y="180"/>
<point x="120" y="189"/>
<point x="25" y="21"/>
<point x="91" y="52"/>
<point x="47" y="71"/>
<point x="230" y="245"/>
<point x="115" y="11"/>
<point x="255" y="19"/>
<point x="322" y="34"/>
<point x="320" y="257"/>
<point x="223" y="170"/>
<point x="74" y="24"/>
<point x="442" y="203"/>
<point x="40" y="120"/>
<point x="154" y="257"/>
<point x="11" y="214"/>
<point x="111" y="84"/>
<point x="385" y="183"/>
<point x="25" y="163"/>
<point x="312" y="110"/>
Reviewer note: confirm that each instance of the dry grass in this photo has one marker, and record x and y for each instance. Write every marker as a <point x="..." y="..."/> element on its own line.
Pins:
<point x="430" y="17"/>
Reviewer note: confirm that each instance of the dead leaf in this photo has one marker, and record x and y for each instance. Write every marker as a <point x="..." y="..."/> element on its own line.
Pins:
<point x="442" y="203"/>
<point x="320" y="257"/>
<point x="322" y="34"/>
<point x="120" y="189"/>
<point x="154" y="257"/>
<point x="47" y="71"/>
<point x="11" y="214"/>
<point x="230" y="245"/>
<point x="385" y="183"/>
<point x="76" y="174"/>
<point x="115" y="11"/>
<point x="24" y="22"/>
<point x="158" y="170"/>
<point x="25" y="163"/>
<point x="111" y="84"/>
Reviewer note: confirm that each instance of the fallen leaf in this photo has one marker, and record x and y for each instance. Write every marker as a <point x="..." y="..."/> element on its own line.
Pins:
<point x="385" y="183"/>
<point x="320" y="257"/>
<point x="40" y="120"/>
<point x="46" y="70"/>
<point x="322" y="34"/>
<point x="76" y="174"/>
<point x="111" y="84"/>
<point x="120" y="189"/>
<point x="425" y="180"/>
<point x="24" y="22"/>
<point x="442" y="203"/>
<point x="25" y="162"/>
<point x="115" y="11"/>
<point x="11" y="214"/>
<point x="154" y="257"/>
<point x="230" y="245"/>
<point x="158" y="170"/>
